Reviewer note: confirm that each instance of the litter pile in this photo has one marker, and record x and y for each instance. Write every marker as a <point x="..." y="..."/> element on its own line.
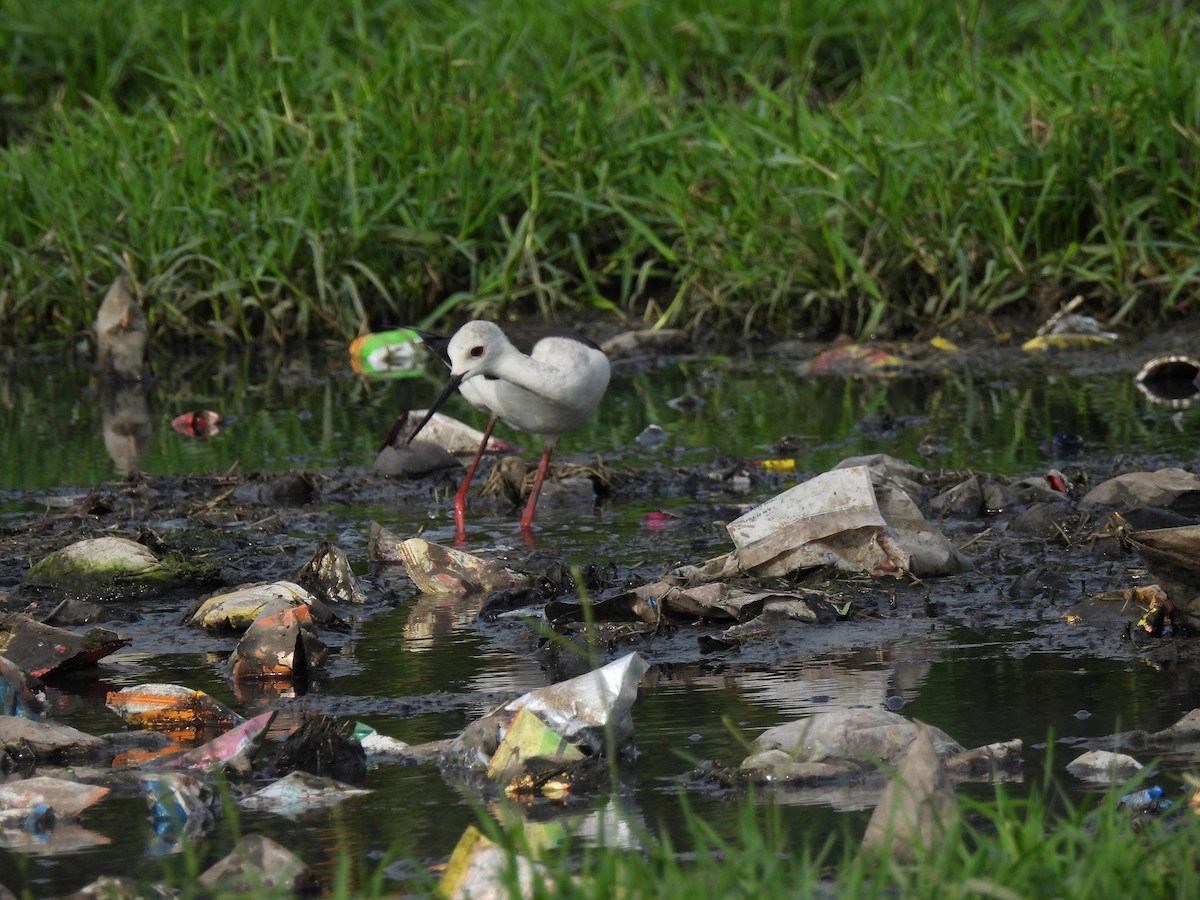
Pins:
<point x="796" y="563"/>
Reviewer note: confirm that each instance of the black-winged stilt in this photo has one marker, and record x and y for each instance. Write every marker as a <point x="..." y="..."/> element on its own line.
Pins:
<point x="546" y="391"/>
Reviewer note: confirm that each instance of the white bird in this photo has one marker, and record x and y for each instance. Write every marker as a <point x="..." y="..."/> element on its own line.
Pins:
<point x="547" y="391"/>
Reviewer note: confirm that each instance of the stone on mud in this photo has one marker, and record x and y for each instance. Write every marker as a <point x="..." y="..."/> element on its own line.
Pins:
<point x="974" y="498"/>
<point x="96" y="562"/>
<point x="1176" y="489"/>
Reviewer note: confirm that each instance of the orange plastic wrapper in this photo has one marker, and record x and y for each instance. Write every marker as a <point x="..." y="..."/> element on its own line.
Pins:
<point x="178" y="710"/>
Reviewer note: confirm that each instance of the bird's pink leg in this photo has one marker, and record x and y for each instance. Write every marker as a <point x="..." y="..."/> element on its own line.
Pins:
<point x="543" y="466"/>
<point x="460" y="499"/>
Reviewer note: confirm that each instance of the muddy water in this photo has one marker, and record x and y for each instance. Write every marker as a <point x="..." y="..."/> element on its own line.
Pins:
<point x="419" y="669"/>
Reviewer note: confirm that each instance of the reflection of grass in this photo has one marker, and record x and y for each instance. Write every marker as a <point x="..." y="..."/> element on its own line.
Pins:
<point x="272" y="169"/>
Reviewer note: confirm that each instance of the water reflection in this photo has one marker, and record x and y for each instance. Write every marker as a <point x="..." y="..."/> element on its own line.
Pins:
<point x="311" y="411"/>
<point x="125" y="421"/>
<point x="875" y="679"/>
<point x="435" y="617"/>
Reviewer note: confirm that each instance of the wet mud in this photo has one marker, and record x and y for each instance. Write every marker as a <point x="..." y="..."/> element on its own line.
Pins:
<point x="1036" y="565"/>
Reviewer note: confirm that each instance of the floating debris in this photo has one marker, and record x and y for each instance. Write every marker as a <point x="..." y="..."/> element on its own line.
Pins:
<point x="279" y="645"/>
<point x="17" y="697"/>
<point x="66" y="798"/>
<point x="298" y="792"/>
<point x="328" y="576"/>
<point x="918" y="808"/>
<point x="234" y="749"/>
<point x="121" y="333"/>
<point x="200" y="423"/>
<point x="171" y="707"/>
<point x="43" y="650"/>
<point x="435" y="569"/>
<point x="387" y="354"/>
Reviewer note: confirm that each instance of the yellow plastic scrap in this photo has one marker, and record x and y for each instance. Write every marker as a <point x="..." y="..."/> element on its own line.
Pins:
<point x="471" y="842"/>
<point x="1066" y="342"/>
<point x="779" y="465"/>
<point x="528" y="737"/>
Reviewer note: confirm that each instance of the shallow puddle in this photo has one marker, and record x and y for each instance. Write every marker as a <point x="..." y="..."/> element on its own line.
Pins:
<point x="420" y="668"/>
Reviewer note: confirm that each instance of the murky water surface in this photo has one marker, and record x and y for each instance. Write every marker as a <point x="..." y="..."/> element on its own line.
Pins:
<point x="980" y="685"/>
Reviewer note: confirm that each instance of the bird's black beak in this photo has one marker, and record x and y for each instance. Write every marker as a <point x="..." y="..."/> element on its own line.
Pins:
<point x="450" y="388"/>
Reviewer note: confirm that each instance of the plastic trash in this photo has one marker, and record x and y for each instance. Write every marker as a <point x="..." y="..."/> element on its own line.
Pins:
<point x="121" y="333"/>
<point x="1146" y="800"/>
<point x="238" y="609"/>
<point x="41" y="650"/>
<point x="452" y="435"/>
<point x="1170" y="488"/>
<point x="199" y="423"/>
<point x="180" y="804"/>
<point x="1068" y="329"/>
<point x="855" y="359"/>
<point x="298" y="792"/>
<point x="479" y="865"/>
<point x="435" y="569"/>
<point x="22" y="738"/>
<point x="376" y="744"/>
<point x="233" y="749"/>
<point x="1173" y="557"/>
<point x="581" y="709"/>
<point x="279" y="645"/>
<point x="918" y="807"/>
<point x="17" y="698"/>
<point x="387" y="354"/>
<point x="67" y="798"/>
<point x="856" y="517"/>
<point x="328" y="576"/>
<point x="652" y="436"/>
<point x="832" y="518"/>
<point x="171" y="707"/>
<point x="530" y="745"/>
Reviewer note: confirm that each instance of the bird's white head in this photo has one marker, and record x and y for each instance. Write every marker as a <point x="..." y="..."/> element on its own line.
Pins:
<point x="475" y="348"/>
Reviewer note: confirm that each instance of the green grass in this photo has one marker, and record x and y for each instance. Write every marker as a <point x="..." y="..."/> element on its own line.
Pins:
<point x="269" y="170"/>
<point x="1009" y="848"/>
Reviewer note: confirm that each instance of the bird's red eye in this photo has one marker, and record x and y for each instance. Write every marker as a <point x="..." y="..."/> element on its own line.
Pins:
<point x="476" y="352"/>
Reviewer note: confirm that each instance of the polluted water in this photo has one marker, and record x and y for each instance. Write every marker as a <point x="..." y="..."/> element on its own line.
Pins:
<point x="285" y="606"/>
